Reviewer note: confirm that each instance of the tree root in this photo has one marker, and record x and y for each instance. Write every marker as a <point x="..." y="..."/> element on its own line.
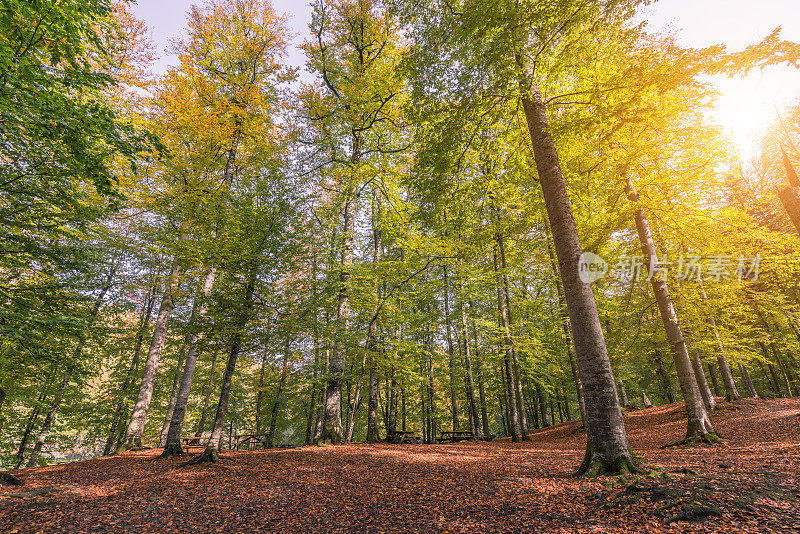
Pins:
<point x="710" y="438"/>
<point x="210" y="455"/>
<point x="593" y="466"/>
<point x="170" y="451"/>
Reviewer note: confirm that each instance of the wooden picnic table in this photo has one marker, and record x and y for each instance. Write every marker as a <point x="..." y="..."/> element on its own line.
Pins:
<point x="250" y="439"/>
<point x="454" y="436"/>
<point x="194" y="441"/>
<point x="401" y="436"/>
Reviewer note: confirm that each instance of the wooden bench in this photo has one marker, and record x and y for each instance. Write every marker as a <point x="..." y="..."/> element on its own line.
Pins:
<point x="400" y="436"/>
<point x="194" y="441"/>
<point x="251" y="439"/>
<point x="455" y="436"/>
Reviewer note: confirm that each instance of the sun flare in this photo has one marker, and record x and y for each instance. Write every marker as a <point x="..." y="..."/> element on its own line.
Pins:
<point x="747" y="105"/>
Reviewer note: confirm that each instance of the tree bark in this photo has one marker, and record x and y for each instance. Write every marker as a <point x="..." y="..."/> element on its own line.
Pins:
<point x="469" y="380"/>
<point x="748" y="383"/>
<point x="623" y="395"/>
<point x="201" y="424"/>
<point x="54" y="405"/>
<point x="698" y="422"/>
<point x="731" y="391"/>
<point x="133" y="434"/>
<point x="702" y="383"/>
<point x="173" y="440"/>
<point x="666" y="383"/>
<point x="332" y="426"/>
<point x="714" y="380"/>
<point x="372" y="340"/>
<point x="451" y="362"/>
<point x="508" y="346"/>
<point x="51" y="414"/>
<point x="143" y="324"/>
<point x="276" y="405"/>
<point x="176" y="384"/>
<point x="26" y="435"/>
<point x="211" y="452"/>
<point x="607" y="444"/>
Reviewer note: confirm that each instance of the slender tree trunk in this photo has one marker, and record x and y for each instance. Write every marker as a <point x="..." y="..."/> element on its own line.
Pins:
<point x="312" y="407"/>
<point x="748" y="383"/>
<point x="698" y="422"/>
<point x="481" y="381"/>
<point x="356" y="401"/>
<point x="714" y="380"/>
<point x="76" y="356"/>
<point x="775" y="380"/>
<point x="211" y="452"/>
<point x="201" y="425"/>
<point x="607" y="444"/>
<point x="373" y="435"/>
<point x="123" y="393"/>
<point x="173" y="440"/>
<point x="51" y="414"/>
<point x="451" y="362"/>
<point x="731" y="392"/>
<point x="29" y="426"/>
<point x="542" y="397"/>
<point x="469" y="380"/>
<point x="508" y="347"/>
<point x="666" y="383"/>
<point x="133" y="434"/>
<point x="432" y="422"/>
<point x="623" y="395"/>
<point x="391" y="418"/>
<point x="519" y="397"/>
<point x="273" y="420"/>
<point x="176" y="384"/>
<point x="702" y="383"/>
<point x="260" y="395"/>
<point x="332" y="427"/>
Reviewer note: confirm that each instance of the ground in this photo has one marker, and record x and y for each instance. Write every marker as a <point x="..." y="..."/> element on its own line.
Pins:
<point x="749" y="484"/>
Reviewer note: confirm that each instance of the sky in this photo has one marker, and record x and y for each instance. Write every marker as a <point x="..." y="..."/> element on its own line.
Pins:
<point x="744" y="107"/>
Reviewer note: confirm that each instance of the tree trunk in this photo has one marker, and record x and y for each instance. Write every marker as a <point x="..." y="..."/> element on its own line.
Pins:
<point x="451" y="362"/>
<point x="372" y="341"/>
<point x="623" y="395"/>
<point x="508" y="344"/>
<point x="698" y="422"/>
<point x="29" y="426"/>
<point x="714" y="380"/>
<point x="201" y="425"/>
<point x="666" y="383"/>
<point x="76" y="356"/>
<point x="702" y="383"/>
<point x="332" y="426"/>
<point x="133" y="434"/>
<point x="260" y="395"/>
<point x="731" y="392"/>
<point x="273" y="420"/>
<point x="748" y="383"/>
<point x="51" y="414"/>
<point x="356" y="401"/>
<point x="607" y="444"/>
<point x="211" y="452"/>
<point x="173" y="441"/>
<point x="469" y="380"/>
<point x="542" y="398"/>
<point x="176" y="384"/>
<point x="775" y="380"/>
<point x="143" y="324"/>
<point x="517" y="376"/>
<point x="646" y="401"/>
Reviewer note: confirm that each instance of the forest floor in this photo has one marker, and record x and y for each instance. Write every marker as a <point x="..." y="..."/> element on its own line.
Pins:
<point x="748" y="484"/>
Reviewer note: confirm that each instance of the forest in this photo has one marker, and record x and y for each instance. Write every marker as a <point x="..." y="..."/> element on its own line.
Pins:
<point x="475" y="226"/>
